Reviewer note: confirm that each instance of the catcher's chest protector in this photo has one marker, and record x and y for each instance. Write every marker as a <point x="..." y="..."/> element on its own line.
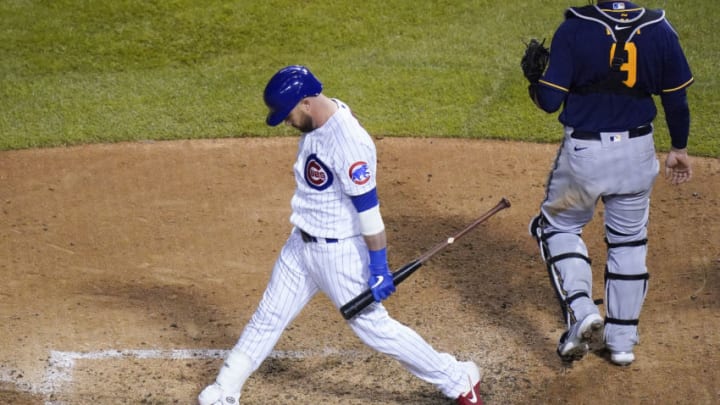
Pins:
<point x="622" y="31"/>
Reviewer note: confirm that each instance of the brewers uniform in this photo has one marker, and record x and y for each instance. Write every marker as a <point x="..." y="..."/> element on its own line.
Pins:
<point x="335" y="174"/>
<point x="606" y="62"/>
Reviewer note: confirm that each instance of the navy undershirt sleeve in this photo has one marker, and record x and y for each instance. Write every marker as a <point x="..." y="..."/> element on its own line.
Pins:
<point x="677" y="116"/>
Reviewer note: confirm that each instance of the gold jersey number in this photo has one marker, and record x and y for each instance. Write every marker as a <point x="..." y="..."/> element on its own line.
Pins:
<point x="630" y="66"/>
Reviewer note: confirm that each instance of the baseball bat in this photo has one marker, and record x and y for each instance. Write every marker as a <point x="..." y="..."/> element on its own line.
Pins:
<point x="357" y="304"/>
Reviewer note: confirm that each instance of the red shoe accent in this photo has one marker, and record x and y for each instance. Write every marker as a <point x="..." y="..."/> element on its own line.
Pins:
<point x="472" y="397"/>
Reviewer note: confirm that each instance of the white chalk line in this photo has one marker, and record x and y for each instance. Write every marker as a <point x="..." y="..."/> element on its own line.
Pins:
<point x="59" y="370"/>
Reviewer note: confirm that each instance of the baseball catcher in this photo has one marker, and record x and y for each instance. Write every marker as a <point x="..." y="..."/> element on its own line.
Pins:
<point x="608" y="62"/>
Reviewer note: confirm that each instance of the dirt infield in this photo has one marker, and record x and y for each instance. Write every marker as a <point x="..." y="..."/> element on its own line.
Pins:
<point x="128" y="270"/>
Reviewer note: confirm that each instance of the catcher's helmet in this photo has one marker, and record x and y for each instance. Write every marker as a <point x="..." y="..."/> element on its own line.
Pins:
<point x="286" y="88"/>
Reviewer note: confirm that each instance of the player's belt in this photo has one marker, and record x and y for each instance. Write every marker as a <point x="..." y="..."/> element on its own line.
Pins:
<point x="595" y="136"/>
<point x="307" y="238"/>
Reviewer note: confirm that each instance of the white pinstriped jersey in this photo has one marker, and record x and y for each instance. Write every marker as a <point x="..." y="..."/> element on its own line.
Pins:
<point x="334" y="162"/>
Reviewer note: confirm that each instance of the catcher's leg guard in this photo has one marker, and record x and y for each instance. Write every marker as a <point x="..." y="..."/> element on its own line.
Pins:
<point x="568" y="266"/>
<point x="626" y="283"/>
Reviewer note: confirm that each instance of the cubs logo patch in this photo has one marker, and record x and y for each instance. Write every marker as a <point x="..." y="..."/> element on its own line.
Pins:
<point x="317" y="174"/>
<point x="359" y="173"/>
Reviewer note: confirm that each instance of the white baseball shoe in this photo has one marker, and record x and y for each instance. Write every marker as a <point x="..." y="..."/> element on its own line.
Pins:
<point x="214" y="395"/>
<point x="575" y="342"/>
<point x="622" y="358"/>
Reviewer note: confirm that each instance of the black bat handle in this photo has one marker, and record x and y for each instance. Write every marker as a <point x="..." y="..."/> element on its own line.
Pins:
<point x="405" y="271"/>
<point x="357" y="304"/>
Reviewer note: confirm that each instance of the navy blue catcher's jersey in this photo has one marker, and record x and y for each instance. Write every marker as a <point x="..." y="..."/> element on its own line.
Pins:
<point x="651" y="63"/>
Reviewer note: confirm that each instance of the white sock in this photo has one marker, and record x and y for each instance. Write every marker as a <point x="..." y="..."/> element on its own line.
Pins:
<point x="235" y="370"/>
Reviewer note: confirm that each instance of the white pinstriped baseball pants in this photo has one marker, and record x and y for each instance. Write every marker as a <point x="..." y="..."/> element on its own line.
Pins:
<point x="340" y="270"/>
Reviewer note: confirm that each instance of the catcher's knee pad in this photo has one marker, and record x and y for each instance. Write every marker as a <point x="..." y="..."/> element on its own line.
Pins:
<point x="626" y="276"/>
<point x="568" y="265"/>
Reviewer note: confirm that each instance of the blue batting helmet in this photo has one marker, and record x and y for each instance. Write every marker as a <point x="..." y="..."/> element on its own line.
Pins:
<point x="285" y="90"/>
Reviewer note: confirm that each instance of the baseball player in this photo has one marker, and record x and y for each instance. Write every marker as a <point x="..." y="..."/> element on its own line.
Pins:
<point x="606" y="62"/>
<point x="337" y="246"/>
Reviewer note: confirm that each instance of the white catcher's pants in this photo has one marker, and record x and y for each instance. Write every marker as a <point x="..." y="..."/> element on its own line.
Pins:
<point x="621" y="172"/>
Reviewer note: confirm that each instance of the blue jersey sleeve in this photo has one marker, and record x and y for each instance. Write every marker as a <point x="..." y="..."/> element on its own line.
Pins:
<point x="556" y="82"/>
<point x="676" y="70"/>
<point x="559" y="73"/>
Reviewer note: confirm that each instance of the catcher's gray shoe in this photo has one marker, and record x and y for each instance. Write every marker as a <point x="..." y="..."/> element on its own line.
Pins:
<point x="214" y="395"/>
<point x="622" y="358"/>
<point x="575" y="342"/>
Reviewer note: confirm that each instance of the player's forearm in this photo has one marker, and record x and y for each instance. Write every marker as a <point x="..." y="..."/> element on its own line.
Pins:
<point x="377" y="241"/>
<point x="372" y="227"/>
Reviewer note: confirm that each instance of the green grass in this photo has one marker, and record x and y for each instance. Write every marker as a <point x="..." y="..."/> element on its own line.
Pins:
<point x="76" y="72"/>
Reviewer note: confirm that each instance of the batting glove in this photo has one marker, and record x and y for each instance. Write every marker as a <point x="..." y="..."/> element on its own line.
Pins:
<point x="381" y="280"/>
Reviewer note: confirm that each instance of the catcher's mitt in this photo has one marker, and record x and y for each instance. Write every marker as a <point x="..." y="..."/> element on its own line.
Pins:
<point x="535" y="60"/>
